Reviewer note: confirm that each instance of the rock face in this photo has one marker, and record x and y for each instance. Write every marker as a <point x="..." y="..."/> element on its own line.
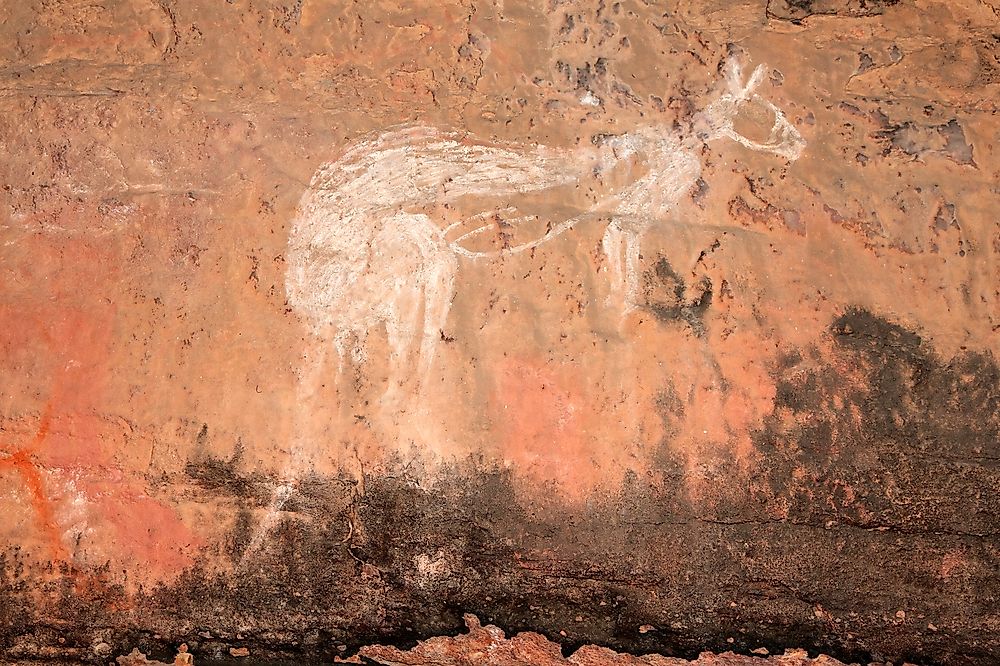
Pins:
<point x="660" y="327"/>
<point x="487" y="646"/>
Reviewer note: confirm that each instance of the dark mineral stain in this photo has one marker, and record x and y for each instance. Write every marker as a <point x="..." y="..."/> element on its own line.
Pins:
<point x="221" y="476"/>
<point x="947" y="140"/>
<point x="216" y="475"/>
<point x="796" y="11"/>
<point x="871" y="491"/>
<point x="671" y="300"/>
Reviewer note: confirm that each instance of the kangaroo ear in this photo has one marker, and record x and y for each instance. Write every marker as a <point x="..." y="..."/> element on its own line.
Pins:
<point x="734" y="74"/>
<point x="734" y="78"/>
<point x="755" y="79"/>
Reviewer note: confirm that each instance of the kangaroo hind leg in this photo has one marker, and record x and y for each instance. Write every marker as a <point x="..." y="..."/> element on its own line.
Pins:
<point x="424" y="276"/>
<point x="439" y="290"/>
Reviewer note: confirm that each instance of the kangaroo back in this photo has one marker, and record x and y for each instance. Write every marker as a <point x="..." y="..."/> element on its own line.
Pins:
<point x="418" y="165"/>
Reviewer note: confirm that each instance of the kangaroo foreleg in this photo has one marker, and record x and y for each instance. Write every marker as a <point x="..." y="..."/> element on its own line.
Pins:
<point x="632" y="269"/>
<point x="613" y="245"/>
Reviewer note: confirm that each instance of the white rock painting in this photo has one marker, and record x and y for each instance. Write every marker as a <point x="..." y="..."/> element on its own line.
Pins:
<point x="362" y="253"/>
<point x="365" y="253"/>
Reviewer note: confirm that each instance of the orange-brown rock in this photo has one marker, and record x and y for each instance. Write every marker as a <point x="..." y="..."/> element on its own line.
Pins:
<point x="487" y="646"/>
<point x="661" y="327"/>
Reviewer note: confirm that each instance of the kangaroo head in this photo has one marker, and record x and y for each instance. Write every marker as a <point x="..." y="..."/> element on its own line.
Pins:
<point x="717" y="120"/>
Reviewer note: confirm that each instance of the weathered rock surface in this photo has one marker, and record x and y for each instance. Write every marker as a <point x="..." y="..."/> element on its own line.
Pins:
<point x="610" y="342"/>
<point x="487" y="646"/>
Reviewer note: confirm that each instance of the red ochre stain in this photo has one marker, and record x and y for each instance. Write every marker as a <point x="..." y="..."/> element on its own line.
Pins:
<point x="125" y="526"/>
<point x="69" y="340"/>
<point x="30" y="472"/>
<point x="75" y="342"/>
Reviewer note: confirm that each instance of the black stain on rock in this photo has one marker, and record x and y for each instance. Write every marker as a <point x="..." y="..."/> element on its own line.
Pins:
<point x="946" y="140"/>
<point x="887" y="436"/>
<point x="217" y="475"/>
<point x="795" y="11"/>
<point x="866" y="515"/>
<point x="671" y="300"/>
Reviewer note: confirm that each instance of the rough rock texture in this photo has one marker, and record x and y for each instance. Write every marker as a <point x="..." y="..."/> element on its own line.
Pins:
<point x="487" y="646"/>
<point x="632" y="377"/>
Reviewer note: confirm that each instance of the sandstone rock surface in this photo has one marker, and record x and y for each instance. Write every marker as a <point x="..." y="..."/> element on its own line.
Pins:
<point x="663" y="327"/>
<point x="487" y="646"/>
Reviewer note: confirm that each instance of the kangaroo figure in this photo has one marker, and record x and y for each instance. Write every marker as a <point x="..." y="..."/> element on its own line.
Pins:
<point x="363" y="253"/>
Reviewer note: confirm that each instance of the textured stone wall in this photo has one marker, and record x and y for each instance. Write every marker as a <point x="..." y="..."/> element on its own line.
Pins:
<point x="662" y="326"/>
